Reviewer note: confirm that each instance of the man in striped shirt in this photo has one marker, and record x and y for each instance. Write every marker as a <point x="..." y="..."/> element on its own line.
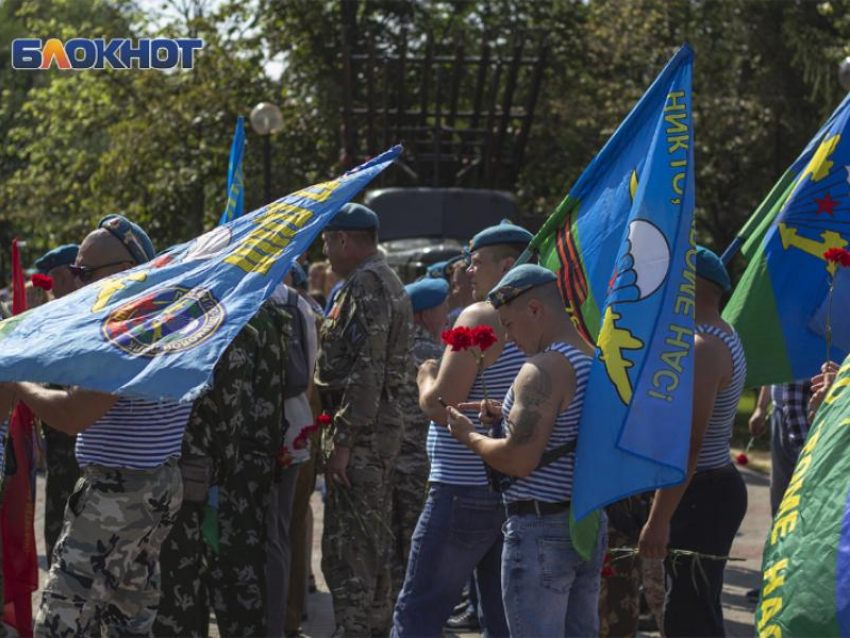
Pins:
<point x="549" y="589"/>
<point x="105" y="569"/>
<point x="460" y="528"/>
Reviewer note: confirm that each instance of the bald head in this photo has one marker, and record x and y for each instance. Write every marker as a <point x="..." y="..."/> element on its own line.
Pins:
<point x="101" y="255"/>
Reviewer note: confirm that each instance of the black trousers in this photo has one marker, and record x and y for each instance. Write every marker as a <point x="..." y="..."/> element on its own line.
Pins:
<point x="706" y="521"/>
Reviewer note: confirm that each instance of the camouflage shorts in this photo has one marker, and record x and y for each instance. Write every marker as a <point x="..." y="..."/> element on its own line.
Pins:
<point x="105" y="577"/>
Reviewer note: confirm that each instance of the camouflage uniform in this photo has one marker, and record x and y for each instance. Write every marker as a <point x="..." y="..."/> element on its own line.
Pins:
<point x="106" y="572"/>
<point x="362" y="370"/>
<point x="410" y="477"/>
<point x="62" y="474"/>
<point x="217" y="418"/>
<point x="237" y="573"/>
<point x="619" y="595"/>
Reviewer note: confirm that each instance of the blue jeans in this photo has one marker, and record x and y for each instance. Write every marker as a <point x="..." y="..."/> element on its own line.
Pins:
<point x="548" y="589"/>
<point x="458" y="531"/>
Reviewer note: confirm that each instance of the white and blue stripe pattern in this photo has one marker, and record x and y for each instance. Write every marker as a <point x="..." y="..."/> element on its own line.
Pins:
<point x="715" y="445"/>
<point x="135" y="434"/>
<point x="553" y="483"/>
<point x="453" y="462"/>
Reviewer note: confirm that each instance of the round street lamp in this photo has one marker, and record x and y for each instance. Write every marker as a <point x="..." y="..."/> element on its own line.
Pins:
<point x="266" y="119"/>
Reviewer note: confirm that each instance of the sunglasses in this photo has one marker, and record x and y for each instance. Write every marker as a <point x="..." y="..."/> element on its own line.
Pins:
<point x="85" y="273"/>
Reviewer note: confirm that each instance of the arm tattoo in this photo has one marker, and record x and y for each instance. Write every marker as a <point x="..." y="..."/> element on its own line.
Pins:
<point x="534" y="393"/>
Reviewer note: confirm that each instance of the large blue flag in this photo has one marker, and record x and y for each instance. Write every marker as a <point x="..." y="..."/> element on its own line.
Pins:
<point x="156" y="331"/>
<point x="622" y="245"/>
<point x="235" y="177"/>
<point x="781" y="306"/>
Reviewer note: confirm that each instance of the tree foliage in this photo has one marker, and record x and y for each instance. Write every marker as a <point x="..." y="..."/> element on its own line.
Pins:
<point x="154" y="145"/>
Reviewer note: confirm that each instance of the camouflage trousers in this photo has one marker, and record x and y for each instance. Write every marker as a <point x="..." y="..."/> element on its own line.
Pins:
<point x="184" y="608"/>
<point x="619" y="595"/>
<point x="356" y="547"/>
<point x="105" y="579"/>
<point x="62" y="474"/>
<point x="237" y="574"/>
<point x="409" y="491"/>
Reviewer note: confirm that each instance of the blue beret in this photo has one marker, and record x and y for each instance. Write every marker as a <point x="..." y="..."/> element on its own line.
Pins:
<point x="519" y="280"/>
<point x="710" y="267"/>
<point x="501" y="234"/>
<point x="299" y="277"/>
<point x="437" y="270"/>
<point x="61" y="256"/>
<point x="354" y="217"/>
<point x="427" y="293"/>
<point x="131" y="235"/>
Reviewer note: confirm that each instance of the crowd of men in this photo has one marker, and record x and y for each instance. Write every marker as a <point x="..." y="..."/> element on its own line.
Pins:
<point x="448" y="474"/>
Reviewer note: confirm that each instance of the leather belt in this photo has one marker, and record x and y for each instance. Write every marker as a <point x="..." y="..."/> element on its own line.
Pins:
<point x="540" y="508"/>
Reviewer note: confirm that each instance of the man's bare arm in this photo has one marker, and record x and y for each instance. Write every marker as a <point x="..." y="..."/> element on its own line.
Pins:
<point x="539" y="391"/>
<point x="68" y="410"/>
<point x="458" y="370"/>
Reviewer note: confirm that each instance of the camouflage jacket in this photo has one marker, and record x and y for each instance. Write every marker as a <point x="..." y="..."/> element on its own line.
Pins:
<point x="364" y="356"/>
<point x="263" y="431"/>
<point x="219" y="414"/>
<point x="413" y="452"/>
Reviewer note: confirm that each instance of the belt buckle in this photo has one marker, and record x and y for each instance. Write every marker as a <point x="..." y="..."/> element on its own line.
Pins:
<point x="537" y="508"/>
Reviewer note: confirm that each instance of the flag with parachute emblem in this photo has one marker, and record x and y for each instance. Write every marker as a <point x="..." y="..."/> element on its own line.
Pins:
<point x="780" y="306"/>
<point x="621" y="243"/>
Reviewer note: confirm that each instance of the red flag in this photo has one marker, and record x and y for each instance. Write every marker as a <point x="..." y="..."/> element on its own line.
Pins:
<point x="20" y="561"/>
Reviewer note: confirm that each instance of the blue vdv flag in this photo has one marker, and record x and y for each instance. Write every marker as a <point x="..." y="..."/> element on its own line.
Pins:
<point x="621" y="243"/>
<point x="235" y="177"/>
<point x="782" y="308"/>
<point x="157" y="331"/>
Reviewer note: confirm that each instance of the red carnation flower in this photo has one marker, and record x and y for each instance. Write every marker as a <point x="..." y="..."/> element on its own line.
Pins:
<point x="483" y="337"/>
<point x="300" y="441"/>
<point x="42" y="281"/>
<point x="838" y="256"/>
<point x="324" y="420"/>
<point x="607" y="570"/>
<point x="459" y="338"/>
<point x="742" y="459"/>
<point x="283" y="457"/>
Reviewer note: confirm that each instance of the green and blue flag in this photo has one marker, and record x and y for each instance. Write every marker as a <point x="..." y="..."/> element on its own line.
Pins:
<point x="157" y="331"/>
<point x="781" y="304"/>
<point x="806" y="565"/>
<point x="622" y="245"/>
<point x="235" y="176"/>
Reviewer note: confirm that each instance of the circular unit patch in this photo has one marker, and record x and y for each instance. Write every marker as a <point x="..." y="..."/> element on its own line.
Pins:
<point x="164" y="321"/>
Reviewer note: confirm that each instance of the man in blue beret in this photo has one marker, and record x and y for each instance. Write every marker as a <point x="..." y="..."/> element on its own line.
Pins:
<point x="429" y="298"/>
<point x="54" y="264"/>
<point x="550" y="589"/>
<point x="460" y="529"/>
<point x="362" y="367"/>
<point x="130" y="490"/>
<point x="703" y="513"/>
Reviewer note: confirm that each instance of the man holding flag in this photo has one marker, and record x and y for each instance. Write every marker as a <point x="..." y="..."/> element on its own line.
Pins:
<point x="106" y="565"/>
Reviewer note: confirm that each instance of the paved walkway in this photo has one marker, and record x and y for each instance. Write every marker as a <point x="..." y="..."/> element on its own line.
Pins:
<point x="740" y="577"/>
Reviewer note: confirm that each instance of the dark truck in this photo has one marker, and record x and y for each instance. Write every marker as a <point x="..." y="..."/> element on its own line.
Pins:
<point x="422" y="226"/>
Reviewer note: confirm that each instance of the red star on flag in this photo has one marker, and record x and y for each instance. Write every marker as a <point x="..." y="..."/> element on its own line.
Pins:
<point x="826" y="205"/>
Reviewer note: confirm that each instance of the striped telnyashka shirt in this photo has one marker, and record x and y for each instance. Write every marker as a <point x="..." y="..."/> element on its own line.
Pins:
<point x="553" y="483"/>
<point x="715" y="445"/>
<point x="136" y="434"/>
<point x="453" y="462"/>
